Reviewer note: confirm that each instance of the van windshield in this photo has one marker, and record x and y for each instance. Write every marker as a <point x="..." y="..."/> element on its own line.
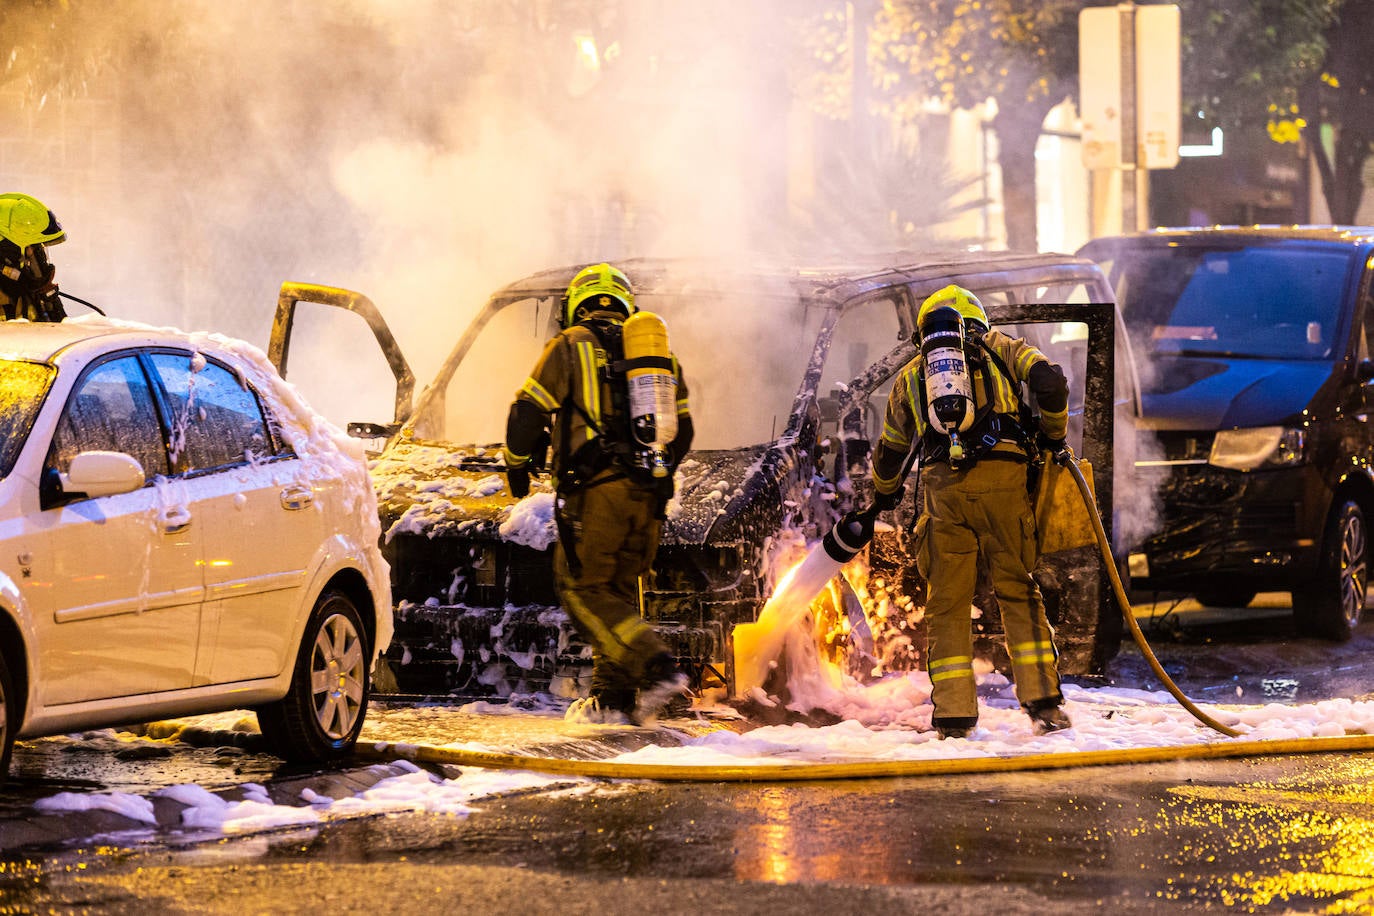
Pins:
<point x="1258" y="301"/>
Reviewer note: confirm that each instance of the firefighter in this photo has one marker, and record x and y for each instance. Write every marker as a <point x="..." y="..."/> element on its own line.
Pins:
<point x="611" y="492"/>
<point x="27" y="287"/>
<point x="974" y="459"/>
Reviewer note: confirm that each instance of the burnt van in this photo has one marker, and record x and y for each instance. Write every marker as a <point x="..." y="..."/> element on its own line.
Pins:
<point x="1251" y="347"/>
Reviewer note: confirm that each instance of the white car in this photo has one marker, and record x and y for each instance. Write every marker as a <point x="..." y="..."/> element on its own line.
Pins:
<point x="179" y="534"/>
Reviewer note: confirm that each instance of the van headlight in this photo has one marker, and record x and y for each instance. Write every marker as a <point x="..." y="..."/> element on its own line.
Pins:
<point x="1260" y="447"/>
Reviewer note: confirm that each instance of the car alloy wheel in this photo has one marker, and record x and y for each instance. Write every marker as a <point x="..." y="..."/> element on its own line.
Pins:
<point x="1354" y="566"/>
<point x="338" y="674"/>
<point x="323" y="711"/>
<point x="1330" y="604"/>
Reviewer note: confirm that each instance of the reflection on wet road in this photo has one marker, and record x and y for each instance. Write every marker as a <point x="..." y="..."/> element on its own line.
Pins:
<point x="1278" y="834"/>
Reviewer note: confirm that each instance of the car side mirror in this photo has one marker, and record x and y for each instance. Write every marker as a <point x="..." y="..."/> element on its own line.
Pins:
<point x="102" y="474"/>
<point x="1364" y="371"/>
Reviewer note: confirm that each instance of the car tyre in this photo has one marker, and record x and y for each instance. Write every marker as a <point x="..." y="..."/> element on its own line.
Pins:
<point x="322" y="713"/>
<point x="8" y="723"/>
<point x="1225" y="596"/>
<point x="1330" y="604"/>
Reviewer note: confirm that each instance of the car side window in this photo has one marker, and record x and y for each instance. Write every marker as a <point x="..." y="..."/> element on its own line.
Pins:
<point x="111" y="409"/>
<point x="215" y="418"/>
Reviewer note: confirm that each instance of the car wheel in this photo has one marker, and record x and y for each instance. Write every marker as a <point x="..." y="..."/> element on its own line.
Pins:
<point x="1225" y="596"/>
<point x="7" y="725"/>
<point x="1330" y="604"/>
<point x="322" y="713"/>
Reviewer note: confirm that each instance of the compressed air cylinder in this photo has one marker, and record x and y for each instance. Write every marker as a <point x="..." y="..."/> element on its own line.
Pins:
<point x="652" y="387"/>
<point x="949" y="389"/>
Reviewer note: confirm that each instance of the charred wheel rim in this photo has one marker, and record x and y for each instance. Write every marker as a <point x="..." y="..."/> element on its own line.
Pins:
<point x="1354" y="565"/>
<point x="337" y="677"/>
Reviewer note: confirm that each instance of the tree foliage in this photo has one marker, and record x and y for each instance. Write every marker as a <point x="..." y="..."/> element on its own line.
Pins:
<point x="1246" y="65"/>
<point x="1022" y="54"/>
<point x="1335" y="110"/>
<point x="1243" y="59"/>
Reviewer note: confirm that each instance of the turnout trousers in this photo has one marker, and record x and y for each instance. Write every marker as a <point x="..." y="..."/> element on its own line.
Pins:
<point x="983" y="510"/>
<point x="609" y="534"/>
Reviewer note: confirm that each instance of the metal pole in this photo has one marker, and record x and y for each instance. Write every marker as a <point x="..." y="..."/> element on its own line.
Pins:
<point x="1129" y="141"/>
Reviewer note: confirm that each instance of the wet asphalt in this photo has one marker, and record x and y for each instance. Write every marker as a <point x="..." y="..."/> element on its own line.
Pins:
<point x="1278" y="834"/>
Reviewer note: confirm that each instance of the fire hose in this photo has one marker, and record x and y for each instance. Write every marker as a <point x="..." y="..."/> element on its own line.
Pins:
<point x="872" y="769"/>
<point x="1119" y="591"/>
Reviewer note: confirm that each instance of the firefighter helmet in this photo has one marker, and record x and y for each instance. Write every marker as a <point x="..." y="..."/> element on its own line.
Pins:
<point x="959" y="299"/>
<point x="597" y="287"/>
<point x="25" y="221"/>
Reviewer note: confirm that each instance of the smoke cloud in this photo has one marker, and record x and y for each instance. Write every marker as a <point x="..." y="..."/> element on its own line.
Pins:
<point x="424" y="153"/>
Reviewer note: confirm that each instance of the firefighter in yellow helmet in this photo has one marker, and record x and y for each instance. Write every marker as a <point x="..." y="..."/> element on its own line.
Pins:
<point x="610" y="497"/>
<point x="27" y="287"/>
<point x="959" y="404"/>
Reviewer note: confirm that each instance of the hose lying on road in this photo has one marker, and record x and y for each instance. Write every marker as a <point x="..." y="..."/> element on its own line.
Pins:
<point x="858" y="769"/>
<point x="873" y="769"/>
<point x="1120" y="592"/>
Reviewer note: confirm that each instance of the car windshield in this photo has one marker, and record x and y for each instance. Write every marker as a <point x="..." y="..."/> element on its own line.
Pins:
<point x="1256" y="301"/>
<point x="743" y="359"/>
<point x="22" y="387"/>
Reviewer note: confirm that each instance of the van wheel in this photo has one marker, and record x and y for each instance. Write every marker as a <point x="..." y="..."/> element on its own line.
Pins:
<point x="1225" y="596"/>
<point x="322" y="713"/>
<point x="1330" y="604"/>
<point x="8" y="725"/>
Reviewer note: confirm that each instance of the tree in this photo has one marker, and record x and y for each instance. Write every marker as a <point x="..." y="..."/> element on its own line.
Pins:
<point x="1242" y="62"/>
<point x="1339" y="101"/>
<point x="1022" y="54"/>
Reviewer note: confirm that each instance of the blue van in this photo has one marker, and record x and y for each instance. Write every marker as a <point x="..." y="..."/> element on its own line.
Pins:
<point x="1252" y="353"/>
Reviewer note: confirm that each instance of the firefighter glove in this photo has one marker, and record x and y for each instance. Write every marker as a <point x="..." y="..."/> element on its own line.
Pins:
<point x="884" y="502"/>
<point x="1050" y="445"/>
<point x="518" y="479"/>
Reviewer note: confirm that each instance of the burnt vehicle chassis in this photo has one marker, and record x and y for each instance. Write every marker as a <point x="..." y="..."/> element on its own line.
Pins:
<point x="477" y="615"/>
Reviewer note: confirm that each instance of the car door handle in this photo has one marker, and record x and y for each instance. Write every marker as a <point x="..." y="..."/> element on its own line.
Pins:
<point x="297" y="496"/>
<point x="174" y="520"/>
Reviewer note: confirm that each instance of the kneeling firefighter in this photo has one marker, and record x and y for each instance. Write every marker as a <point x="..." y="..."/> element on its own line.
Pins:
<point x="609" y="397"/>
<point x="958" y="403"/>
<point x="27" y="287"/>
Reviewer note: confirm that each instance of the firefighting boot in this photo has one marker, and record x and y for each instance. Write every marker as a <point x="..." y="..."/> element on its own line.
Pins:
<point x="1047" y="716"/>
<point x="663" y="684"/>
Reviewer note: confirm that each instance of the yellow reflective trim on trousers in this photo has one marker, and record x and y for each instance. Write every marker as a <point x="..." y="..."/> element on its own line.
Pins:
<point x="1032" y="653"/>
<point x="539" y="395"/>
<point x="613" y="642"/>
<point x="614" y="648"/>
<point x="942" y="669"/>
<point x="591" y="383"/>
<point x="1046" y="658"/>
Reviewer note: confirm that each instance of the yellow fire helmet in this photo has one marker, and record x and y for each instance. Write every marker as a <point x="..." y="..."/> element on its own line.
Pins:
<point x="25" y="221"/>
<point x="957" y="298"/>
<point x="608" y="285"/>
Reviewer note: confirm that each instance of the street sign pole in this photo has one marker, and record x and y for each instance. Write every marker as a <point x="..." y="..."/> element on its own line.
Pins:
<point x="1130" y="187"/>
<point x="1129" y="103"/>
